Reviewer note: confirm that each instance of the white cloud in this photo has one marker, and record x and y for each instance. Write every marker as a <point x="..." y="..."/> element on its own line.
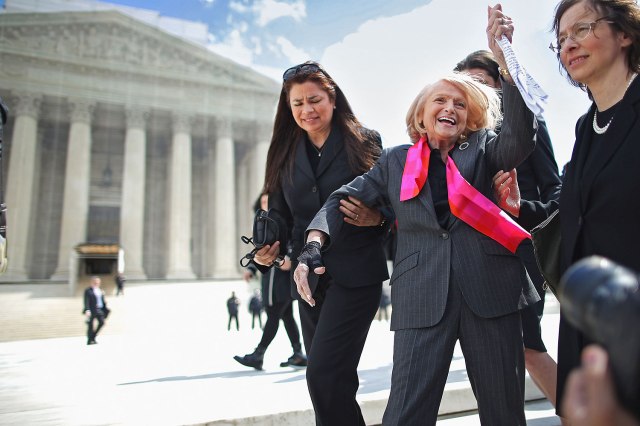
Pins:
<point x="234" y="48"/>
<point x="293" y="53"/>
<point x="238" y="7"/>
<point x="270" y="10"/>
<point x="384" y="64"/>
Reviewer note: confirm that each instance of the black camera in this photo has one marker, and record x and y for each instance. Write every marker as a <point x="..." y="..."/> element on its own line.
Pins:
<point x="602" y="299"/>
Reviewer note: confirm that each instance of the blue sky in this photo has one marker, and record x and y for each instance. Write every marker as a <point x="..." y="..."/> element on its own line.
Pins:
<point x="381" y="52"/>
<point x="273" y="32"/>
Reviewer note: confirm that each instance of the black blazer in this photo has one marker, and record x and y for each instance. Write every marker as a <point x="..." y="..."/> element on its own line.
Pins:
<point x="91" y="302"/>
<point x="599" y="207"/>
<point x="358" y="258"/>
<point x="538" y="176"/>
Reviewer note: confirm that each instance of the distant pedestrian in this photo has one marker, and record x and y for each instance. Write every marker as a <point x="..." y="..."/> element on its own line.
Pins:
<point x="232" y="306"/>
<point x="120" y="279"/>
<point x="384" y="306"/>
<point x="255" y="308"/>
<point x="95" y="308"/>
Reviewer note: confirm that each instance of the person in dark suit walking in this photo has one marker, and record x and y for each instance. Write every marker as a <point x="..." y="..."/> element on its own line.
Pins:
<point x="232" y="308"/>
<point x="456" y="275"/>
<point x="317" y="146"/>
<point x="538" y="179"/>
<point x="95" y="309"/>
<point x="255" y="309"/>
<point x="598" y="46"/>
<point x="120" y="280"/>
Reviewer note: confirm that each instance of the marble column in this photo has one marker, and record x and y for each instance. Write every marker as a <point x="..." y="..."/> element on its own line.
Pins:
<point x="263" y="140"/>
<point x="133" y="198"/>
<point x="77" y="182"/>
<point x="21" y="185"/>
<point x="225" y="263"/>
<point x="245" y="199"/>
<point x="179" y="229"/>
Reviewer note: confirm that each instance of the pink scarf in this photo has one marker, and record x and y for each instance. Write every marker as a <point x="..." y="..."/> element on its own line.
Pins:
<point x="466" y="202"/>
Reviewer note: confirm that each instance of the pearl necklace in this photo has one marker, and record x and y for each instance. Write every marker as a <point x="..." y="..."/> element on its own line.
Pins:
<point x="600" y="130"/>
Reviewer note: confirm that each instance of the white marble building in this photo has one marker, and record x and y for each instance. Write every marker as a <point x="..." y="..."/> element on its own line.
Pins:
<point x="120" y="132"/>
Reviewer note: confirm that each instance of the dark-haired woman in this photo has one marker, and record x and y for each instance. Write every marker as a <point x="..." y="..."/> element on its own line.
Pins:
<point x="598" y="46"/>
<point x="317" y="146"/>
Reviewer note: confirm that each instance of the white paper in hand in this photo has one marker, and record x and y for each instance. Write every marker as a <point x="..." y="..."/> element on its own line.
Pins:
<point x="533" y="95"/>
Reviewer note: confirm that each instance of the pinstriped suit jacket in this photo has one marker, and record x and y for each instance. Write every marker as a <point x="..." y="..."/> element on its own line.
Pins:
<point x="493" y="281"/>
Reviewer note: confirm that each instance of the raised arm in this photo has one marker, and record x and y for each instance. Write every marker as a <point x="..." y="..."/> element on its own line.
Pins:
<point x="517" y="135"/>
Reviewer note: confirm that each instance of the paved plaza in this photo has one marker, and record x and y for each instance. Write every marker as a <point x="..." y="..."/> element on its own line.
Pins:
<point x="165" y="357"/>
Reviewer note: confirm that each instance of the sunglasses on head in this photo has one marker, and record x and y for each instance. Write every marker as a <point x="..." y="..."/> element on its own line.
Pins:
<point x="301" y="69"/>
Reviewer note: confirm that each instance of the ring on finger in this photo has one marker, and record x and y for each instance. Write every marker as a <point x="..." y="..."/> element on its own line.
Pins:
<point x="356" y="218"/>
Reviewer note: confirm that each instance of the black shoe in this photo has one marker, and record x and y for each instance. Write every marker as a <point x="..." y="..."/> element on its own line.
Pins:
<point x="92" y="342"/>
<point x="252" y="360"/>
<point x="298" y="359"/>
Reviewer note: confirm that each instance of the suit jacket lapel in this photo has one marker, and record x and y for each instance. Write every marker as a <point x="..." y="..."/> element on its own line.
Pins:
<point x="332" y="147"/>
<point x="465" y="156"/>
<point x="302" y="161"/>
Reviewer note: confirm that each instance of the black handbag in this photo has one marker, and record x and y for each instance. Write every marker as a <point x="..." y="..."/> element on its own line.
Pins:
<point x="546" y="245"/>
<point x="268" y="227"/>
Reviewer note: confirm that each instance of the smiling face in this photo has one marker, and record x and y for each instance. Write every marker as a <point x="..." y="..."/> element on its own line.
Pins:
<point x="312" y="109"/>
<point x="444" y="115"/>
<point x="589" y="61"/>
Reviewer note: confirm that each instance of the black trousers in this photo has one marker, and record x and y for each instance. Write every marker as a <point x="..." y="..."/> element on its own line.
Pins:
<point x="255" y="315"/>
<point x="276" y="312"/>
<point x="334" y="333"/>
<point x="235" y="318"/>
<point x="91" y="332"/>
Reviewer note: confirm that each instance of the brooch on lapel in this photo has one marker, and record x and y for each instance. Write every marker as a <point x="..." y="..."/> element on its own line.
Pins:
<point x="464" y="145"/>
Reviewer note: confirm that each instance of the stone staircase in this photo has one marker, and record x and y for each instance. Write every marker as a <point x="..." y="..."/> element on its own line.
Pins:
<point x="40" y="311"/>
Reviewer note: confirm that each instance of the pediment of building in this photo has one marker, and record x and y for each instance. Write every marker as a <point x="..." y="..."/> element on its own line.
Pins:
<point x="117" y="42"/>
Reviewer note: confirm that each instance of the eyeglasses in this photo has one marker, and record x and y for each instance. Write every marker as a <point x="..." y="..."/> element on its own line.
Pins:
<point x="579" y="32"/>
<point x="302" y="68"/>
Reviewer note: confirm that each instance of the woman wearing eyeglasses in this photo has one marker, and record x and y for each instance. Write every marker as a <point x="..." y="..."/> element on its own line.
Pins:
<point x="317" y="146"/>
<point x="598" y="45"/>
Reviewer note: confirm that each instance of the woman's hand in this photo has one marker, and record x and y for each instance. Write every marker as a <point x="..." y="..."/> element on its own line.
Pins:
<point x="499" y="24"/>
<point x="358" y="214"/>
<point x="507" y="192"/>
<point x="267" y="254"/>
<point x="311" y="256"/>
